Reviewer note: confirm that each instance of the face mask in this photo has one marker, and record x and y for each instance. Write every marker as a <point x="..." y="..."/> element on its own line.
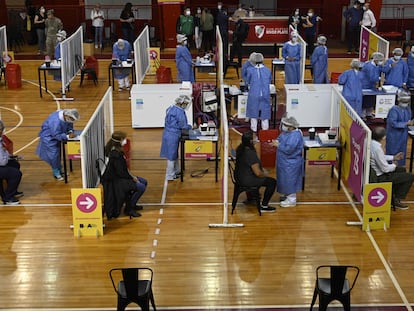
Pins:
<point x="397" y="57"/>
<point x="380" y="63"/>
<point x="296" y="13"/>
<point x="124" y="141"/>
<point x="42" y="10"/>
<point x="412" y="49"/>
<point x="187" y="13"/>
<point x="199" y="11"/>
<point x="294" y="39"/>
<point x="403" y="105"/>
<point x="284" y="128"/>
<point x="310" y="14"/>
<point x="365" y="9"/>
<point x="219" y="7"/>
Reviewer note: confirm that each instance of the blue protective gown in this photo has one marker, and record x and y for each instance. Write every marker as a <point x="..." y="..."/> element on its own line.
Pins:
<point x="397" y="75"/>
<point x="397" y="132"/>
<point x="184" y="64"/>
<point x="319" y="62"/>
<point x="289" y="162"/>
<point x="244" y="69"/>
<point x="292" y="68"/>
<point x="175" y="121"/>
<point x="370" y="75"/>
<point x="410" y="64"/>
<point x="122" y="55"/>
<point x="258" y="101"/>
<point x="352" y="88"/>
<point x="53" y="131"/>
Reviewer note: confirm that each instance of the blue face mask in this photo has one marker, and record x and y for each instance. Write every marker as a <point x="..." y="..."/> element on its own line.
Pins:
<point x="284" y="128"/>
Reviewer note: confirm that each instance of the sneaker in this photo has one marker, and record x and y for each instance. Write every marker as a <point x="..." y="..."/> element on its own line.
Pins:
<point x="18" y="194"/>
<point x="96" y="46"/>
<point x="174" y="178"/>
<point x="59" y="177"/>
<point x="12" y="201"/>
<point x="128" y="87"/>
<point x="120" y="89"/>
<point x="287" y="203"/>
<point x="267" y="209"/>
<point x="399" y="205"/>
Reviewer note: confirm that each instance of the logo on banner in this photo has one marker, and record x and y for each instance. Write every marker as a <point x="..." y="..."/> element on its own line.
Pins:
<point x="259" y="30"/>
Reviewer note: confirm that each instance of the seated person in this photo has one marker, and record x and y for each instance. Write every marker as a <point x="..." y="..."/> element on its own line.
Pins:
<point x="120" y="186"/>
<point x="249" y="171"/>
<point x="389" y="172"/>
<point x="121" y="51"/>
<point x="9" y="171"/>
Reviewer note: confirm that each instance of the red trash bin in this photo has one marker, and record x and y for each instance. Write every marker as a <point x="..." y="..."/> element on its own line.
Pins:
<point x="13" y="76"/>
<point x="267" y="150"/>
<point x="164" y="75"/>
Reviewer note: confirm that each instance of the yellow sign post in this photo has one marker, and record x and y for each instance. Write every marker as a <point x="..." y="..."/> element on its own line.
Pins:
<point x="322" y="156"/>
<point x="377" y="206"/>
<point x="198" y="149"/>
<point x="87" y="212"/>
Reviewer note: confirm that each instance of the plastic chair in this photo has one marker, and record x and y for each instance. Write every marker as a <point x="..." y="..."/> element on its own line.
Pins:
<point x="133" y="285"/>
<point x="337" y="286"/>
<point x="335" y="76"/>
<point x="254" y="190"/>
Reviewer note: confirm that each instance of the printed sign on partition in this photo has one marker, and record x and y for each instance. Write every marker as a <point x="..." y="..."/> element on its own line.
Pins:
<point x="73" y="149"/>
<point x="383" y="104"/>
<point x="377" y="206"/>
<point x="155" y="59"/>
<point x="198" y="149"/>
<point x="322" y="156"/>
<point x="87" y="212"/>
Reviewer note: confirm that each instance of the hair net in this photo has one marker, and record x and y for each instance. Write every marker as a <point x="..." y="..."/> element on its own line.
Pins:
<point x="62" y="34"/>
<point x="121" y="44"/>
<point x="398" y="51"/>
<point x="403" y="96"/>
<point x="72" y="113"/>
<point x="183" y="100"/>
<point x="251" y="57"/>
<point x="321" y="40"/>
<point x="258" y="58"/>
<point x="355" y="63"/>
<point x="181" y="38"/>
<point x="377" y="56"/>
<point x="290" y="121"/>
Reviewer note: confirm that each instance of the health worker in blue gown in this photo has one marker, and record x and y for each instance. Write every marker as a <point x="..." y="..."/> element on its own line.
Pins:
<point x="319" y="61"/>
<point x="352" y="86"/>
<point x="291" y="53"/>
<point x="371" y="74"/>
<point x="175" y="122"/>
<point x="183" y="60"/>
<point x="398" y="120"/>
<point x="56" y="128"/>
<point x="121" y="50"/>
<point x="258" y="107"/>
<point x="248" y="64"/>
<point x="410" y="63"/>
<point x="289" y="161"/>
<point x="60" y="36"/>
<point x="396" y="69"/>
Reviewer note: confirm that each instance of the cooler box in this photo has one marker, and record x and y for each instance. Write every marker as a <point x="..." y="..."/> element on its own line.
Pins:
<point x="267" y="150"/>
<point x="13" y="76"/>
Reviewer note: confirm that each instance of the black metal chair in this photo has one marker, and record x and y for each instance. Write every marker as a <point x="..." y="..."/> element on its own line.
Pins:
<point x="253" y="190"/>
<point x="133" y="285"/>
<point x="85" y="69"/>
<point x="334" y="283"/>
<point x="228" y="64"/>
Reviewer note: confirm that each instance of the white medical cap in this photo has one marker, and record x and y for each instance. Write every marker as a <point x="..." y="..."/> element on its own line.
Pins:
<point x="258" y="58"/>
<point x="72" y="113"/>
<point x="355" y="63"/>
<point x="251" y="57"/>
<point x="181" y="38"/>
<point x="290" y="121"/>
<point x="321" y="40"/>
<point x="121" y="43"/>
<point x="62" y="34"/>
<point x="403" y="96"/>
<point x="183" y="99"/>
<point x="398" y="51"/>
<point x="377" y="56"/>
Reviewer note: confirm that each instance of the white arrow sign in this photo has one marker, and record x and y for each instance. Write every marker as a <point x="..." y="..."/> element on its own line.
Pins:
<point x="89" y="202"/>
<point x="379" y="197"/>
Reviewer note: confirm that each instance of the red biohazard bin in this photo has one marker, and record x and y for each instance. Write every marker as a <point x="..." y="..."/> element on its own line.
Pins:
<point x="127" y="152"/>
<point x="164" y="75"/>
<point x="13" y="76"/>
<point x="267" y="150"/>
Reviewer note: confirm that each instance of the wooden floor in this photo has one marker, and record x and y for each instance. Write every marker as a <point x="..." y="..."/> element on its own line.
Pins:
<point x="270" y="261"/>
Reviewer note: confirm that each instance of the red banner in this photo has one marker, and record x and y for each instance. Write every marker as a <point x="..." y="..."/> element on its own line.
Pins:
<point x="267" y="30"/>
<point x="171" y="1"/>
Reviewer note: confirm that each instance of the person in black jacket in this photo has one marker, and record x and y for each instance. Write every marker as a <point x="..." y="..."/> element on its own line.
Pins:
<point x="120" y="186"/>
<point x="241" y="30"/>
